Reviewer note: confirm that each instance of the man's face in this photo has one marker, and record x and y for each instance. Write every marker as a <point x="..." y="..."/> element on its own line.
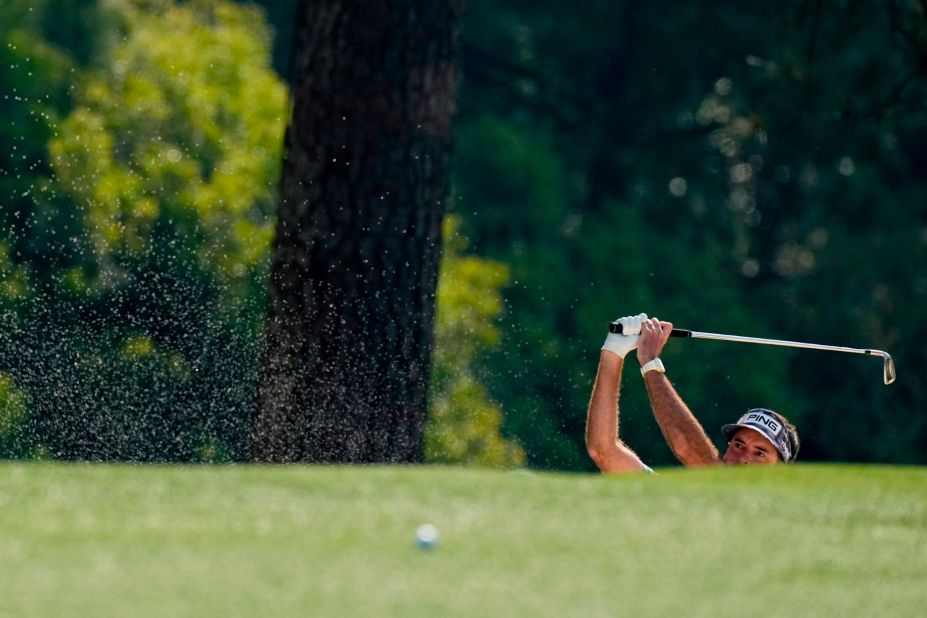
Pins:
<point x="749" y="447"/>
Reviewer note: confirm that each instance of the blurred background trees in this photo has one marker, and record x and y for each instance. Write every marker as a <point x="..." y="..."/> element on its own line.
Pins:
<point x="730" y="167"/>
<point x="141" y="241"/>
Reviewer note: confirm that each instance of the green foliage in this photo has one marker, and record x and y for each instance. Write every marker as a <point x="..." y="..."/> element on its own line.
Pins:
<point x="463" y="422"/>
<point x="143" y="246"/>
<point x="14" y="282"/>
<point x="516" y="185"/>
<point x="14" y="406"/>
<point x="34" y="78"/>
<point x="179" y="138"/>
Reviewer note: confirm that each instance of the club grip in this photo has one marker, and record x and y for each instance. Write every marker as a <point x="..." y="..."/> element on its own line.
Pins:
<point x="615" y="327"/>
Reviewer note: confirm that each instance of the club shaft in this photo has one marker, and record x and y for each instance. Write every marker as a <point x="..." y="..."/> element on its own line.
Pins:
<point x="680" y="332"/>
<point x="782" y="343"/>
<point x="888" y="370"/>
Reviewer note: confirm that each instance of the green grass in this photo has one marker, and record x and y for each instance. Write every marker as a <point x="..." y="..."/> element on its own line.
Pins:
<point x="92" y="540"/>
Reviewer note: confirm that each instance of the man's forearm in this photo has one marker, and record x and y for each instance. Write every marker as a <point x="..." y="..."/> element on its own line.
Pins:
<point x="682" y="431"/>
<point x="605" y="449"/>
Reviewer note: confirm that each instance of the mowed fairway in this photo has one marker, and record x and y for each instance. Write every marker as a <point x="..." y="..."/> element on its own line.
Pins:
<point x="95" y="540"/>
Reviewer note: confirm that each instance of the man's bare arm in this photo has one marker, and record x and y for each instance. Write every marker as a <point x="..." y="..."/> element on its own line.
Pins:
<point x="682" y="431"/>
<point x="608" y="452"/>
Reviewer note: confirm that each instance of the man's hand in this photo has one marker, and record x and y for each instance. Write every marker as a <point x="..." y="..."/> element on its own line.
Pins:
<point x="653" y="336"/>
<point x="624" y="343"/>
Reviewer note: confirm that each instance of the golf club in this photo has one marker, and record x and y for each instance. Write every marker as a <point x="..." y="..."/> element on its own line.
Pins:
<point x="888" y="369"/>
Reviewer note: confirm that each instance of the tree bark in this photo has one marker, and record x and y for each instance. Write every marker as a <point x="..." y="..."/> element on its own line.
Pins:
<point x="348" y="336"/>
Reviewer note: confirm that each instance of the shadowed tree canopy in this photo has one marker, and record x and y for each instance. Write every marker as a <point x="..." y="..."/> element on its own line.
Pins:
<point x="348" y="336"/>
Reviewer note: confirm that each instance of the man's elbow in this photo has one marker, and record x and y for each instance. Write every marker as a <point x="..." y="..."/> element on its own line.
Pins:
<point x="610" y="458"/>
<point x="598" y="452"/>
<point x="595" y="454"/>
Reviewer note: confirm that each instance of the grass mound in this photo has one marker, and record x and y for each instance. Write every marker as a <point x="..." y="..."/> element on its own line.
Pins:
<point x="94" y="540"/>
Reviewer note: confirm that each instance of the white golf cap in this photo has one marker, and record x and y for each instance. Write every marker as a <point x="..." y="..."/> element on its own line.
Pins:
<point x="769" y="425"/>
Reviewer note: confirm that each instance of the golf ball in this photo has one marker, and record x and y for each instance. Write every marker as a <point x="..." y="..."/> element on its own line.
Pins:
<point x="426" y="536"/>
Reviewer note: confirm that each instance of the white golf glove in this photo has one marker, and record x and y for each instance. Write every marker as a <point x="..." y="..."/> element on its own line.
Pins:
<point x="624" y="343"/>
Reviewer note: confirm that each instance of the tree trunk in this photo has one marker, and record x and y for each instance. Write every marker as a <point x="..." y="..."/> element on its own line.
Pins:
<point x="348" y="337"/>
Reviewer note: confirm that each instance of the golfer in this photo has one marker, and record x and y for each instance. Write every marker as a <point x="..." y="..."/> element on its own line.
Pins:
<point x="760" y="436"/>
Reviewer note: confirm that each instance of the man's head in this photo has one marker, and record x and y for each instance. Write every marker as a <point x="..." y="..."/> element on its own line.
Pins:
<point x="760" y="436"/>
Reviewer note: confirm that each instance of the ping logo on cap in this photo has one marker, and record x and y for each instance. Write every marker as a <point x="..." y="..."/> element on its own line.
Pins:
<point x="761" y="418"/>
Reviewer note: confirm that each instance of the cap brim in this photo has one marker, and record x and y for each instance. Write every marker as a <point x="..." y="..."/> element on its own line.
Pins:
<point x="730" y="429"/>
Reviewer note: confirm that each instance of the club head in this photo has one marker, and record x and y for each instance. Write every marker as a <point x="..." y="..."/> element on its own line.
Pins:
<point x="888" y="370"/>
